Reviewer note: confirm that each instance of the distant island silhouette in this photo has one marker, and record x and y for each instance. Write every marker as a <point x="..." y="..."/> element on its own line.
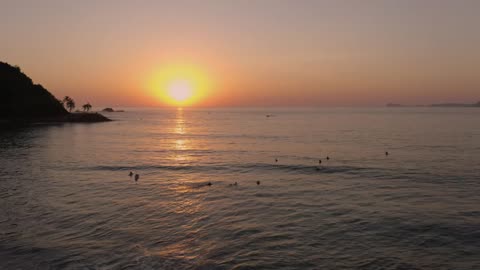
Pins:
<point x="111" y="110"/>
<point x="454" y="105"/>
<point x="22" y="100"/>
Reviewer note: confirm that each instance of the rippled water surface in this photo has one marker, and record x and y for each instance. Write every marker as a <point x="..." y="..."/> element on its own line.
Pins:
<point x="67" y="202"/>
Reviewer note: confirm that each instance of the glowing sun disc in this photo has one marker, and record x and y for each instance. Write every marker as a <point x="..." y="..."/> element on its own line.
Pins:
<point x="180" y="90"/>
<point x="179" y="85"/>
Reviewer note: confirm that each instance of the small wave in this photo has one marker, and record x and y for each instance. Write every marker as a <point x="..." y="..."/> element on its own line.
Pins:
<point x="429" y="147"/>
<point x="239" y="168"/>
<point x="198" y="168"/>
<point x="290" y="169"/>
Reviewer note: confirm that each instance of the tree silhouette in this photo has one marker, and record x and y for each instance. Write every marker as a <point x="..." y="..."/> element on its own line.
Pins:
<point x="87" y="107"/>
<point x="65" y="100"/>
<point x="70" y="104"/>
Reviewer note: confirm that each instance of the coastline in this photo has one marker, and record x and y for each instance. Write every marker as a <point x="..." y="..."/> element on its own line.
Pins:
<point x="439" y="105"/>
<point x="67" y="118"/>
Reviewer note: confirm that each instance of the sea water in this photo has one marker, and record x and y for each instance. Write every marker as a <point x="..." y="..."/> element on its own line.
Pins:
<point x="67" y="200"/>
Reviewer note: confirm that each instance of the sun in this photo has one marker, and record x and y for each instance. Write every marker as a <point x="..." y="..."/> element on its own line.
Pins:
<point x="180" y="85"/>
<point x="180" y="90"/>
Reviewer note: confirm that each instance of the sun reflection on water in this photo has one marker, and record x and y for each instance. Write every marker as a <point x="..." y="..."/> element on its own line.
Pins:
<point x="179" y="122"/>
<point x="180" y="144"/>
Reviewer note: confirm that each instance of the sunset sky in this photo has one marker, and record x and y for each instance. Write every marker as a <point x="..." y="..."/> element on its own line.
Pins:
<point x="247" y="53"/>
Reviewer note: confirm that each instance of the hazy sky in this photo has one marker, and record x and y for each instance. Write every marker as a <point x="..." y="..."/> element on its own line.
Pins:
<point x="257" y="53"/>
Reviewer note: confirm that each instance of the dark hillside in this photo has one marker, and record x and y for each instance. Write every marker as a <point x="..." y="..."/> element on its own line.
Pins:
<point x="20" y="97"/>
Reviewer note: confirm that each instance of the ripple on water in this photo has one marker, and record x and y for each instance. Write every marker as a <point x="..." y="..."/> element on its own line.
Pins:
<point x="67" y="202"/>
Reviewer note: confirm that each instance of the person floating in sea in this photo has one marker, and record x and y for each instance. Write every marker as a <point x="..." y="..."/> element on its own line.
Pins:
<point x="258" y="183"/>
<point x="209" y="184"/>
<point x="386" y="153"/>
<point x="328" y="158"/>
<point x="319" y="161"/>
<point x="276" y="160"/>
<point x="130" y="174"/>
<point x="137" y="176"/>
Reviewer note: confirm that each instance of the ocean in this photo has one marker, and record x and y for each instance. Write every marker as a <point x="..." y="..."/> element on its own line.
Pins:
<point x="67" y="200"/>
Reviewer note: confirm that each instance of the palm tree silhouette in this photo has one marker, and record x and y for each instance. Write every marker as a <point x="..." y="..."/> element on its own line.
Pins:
<point x="70" y="104"/>
<point x="64" y="101"/>
<point x="87" y="107"/>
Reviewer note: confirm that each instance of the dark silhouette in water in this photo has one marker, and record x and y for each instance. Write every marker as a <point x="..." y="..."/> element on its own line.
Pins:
<point x="319" y="161"/>
<point x="386" y="153"/>
<point x="328" y="158"/>
<point x="258" y="183"/>
<point x="130" y="174"/>
<point x="137" y="177"/>
<point x="111" y="110"/>
<point x="209" y="184"/>
<point x="276" y="160"/>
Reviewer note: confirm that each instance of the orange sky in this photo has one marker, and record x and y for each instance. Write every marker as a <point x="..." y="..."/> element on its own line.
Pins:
<point x="253" y="53"/>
